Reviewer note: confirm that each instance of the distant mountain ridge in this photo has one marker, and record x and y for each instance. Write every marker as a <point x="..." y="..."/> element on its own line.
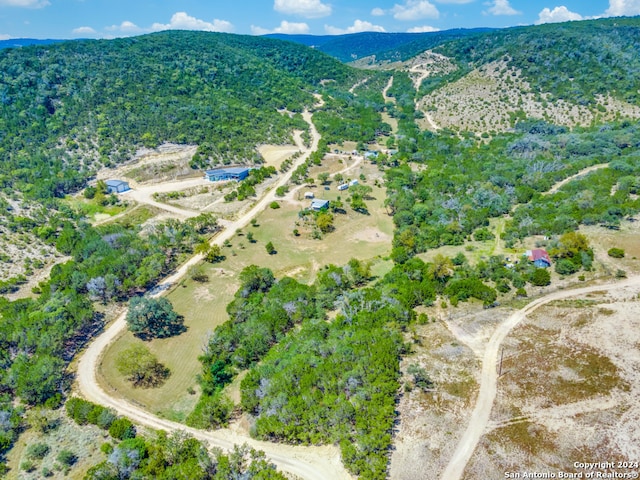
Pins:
<point x="26" y="42"/>
<point x="385" y="46"/>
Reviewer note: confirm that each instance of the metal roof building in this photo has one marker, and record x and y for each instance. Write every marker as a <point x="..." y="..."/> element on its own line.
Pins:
<point x="227" y="173"/>
<point x="117" y="186"/>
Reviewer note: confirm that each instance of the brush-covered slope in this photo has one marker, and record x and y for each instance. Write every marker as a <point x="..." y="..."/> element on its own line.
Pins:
<point x="68" y="108"/>
<point x="574" y="73"/>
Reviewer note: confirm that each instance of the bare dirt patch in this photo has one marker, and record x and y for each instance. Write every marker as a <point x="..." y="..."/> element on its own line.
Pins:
<point x="372" y="235"/>
<point x="431" y="424"/>
<point x="167" y="162"/>
<point x="571" y="388"/>
<point x="275" y="155"/>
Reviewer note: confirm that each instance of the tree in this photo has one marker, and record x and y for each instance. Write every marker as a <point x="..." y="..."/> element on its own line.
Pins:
<point x="441" y="267"/>
<point x="323" y="177"/>
<point x="141" y="367"/>
<point x="153" y="317"/>
<point x="324" y="221"/>
<point x="214" y="254"/>
<point x="38" y="378"/>
<point x="250" y="237"/>
<point x="271" y="250"/>
<point x="338" y="178"/>
<point x="337" y="206"/>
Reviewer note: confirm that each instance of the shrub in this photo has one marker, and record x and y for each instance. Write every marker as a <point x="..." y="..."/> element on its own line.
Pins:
<point x="37" y="451"/>
<point x="67" y="457"/>
<point x="274" y="205"/>
<point x="271" y="250"/>
<point x="616" y="253"/>
<point x="566" y="267"/>
<point x="521" y="292"/>
<point x="621" y="274"/>
<point x="106" y="448"/>
<point x="540" y="277"/>
<point x="122" y="428"/>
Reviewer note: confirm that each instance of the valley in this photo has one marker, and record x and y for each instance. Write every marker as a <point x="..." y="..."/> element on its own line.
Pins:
<point x="430" y="264"/>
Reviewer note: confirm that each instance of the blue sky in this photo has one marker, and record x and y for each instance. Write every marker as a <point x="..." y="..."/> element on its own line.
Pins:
<point x="116" y="18"/>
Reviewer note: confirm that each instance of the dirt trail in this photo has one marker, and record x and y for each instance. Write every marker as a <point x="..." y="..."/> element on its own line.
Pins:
<point x="313" y="463"/>
<point x="479" y="422"/>
<point x="417" y="82"/>
<point x="361" y="82"/>
<point x="582" y="172"/>
<point x="385" y="92"/>
<point x="144" y="194"/>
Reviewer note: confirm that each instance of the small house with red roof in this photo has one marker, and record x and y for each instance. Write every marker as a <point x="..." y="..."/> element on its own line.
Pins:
<point x="539" y="257"/>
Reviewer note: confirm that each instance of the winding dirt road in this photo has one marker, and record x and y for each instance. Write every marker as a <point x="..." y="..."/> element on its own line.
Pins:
<point x="581" y="173"/>
<point x="313" y="463"/>
<point x="479" y="422"/>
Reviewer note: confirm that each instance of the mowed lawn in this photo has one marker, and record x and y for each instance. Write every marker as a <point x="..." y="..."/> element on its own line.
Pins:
<point x="365" y="237"/>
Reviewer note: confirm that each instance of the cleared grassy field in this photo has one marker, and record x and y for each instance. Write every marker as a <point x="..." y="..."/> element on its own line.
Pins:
<point x="366" y="237"/>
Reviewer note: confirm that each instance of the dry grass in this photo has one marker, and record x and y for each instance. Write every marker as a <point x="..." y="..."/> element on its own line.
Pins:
<point x="83" y="441"/>
<point x="571" y="386"/>
<point x="543" y="369"/>
<point x="204" y="304"/>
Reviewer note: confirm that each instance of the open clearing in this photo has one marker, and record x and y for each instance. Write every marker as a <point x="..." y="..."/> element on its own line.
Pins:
<point x="274" y="155"/>
<point x="203" y="305"/>
<point x="571" y="385"/>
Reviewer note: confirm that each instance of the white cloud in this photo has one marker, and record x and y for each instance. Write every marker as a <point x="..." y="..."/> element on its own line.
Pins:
<point x="459" y="2"/>
<point x="289" y="28"/>
<point x="618" y="8"/>
<point x="358" y="26"/>
<point x="303" y="8"/>
<point x="415" y="10"/>
<point x="125" y="27"/>
<point x="558" y="14"/>
<point x="183" y="21"/>
<point x="377" y="12"/>
<point x="24" y="3"/>
<point x="502" y="7"/>
<point x="423" y="29"/>
<point x="4" y="36"/>
<point x="84" y="31"/>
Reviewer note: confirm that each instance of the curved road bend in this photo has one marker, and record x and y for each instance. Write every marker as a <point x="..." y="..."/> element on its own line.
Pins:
<point x="489" y="377"/>
<point x="312" y="463"/>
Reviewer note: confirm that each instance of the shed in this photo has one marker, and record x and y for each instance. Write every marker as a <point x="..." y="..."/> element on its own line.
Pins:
<point x="353" y="182"/>
<point x="344" y="186"/>
<point x="309" y="195"/>
<point x="227" y="173"/>
<point x="539" y="257"/>
<point x="319" y="205"/>
<point x="117" y="186"/>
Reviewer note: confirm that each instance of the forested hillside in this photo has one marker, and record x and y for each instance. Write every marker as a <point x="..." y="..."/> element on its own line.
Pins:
<point x="68" y="108"/>
<point x="573" y="61"/>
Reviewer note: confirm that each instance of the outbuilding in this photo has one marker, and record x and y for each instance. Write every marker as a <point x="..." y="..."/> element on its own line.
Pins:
<point x="309" y="195"/>
<point x="319" y="205"/>
<point x="227" y="173"/>
<point x="117" y="186"/>
<point x="539" y="257"/>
